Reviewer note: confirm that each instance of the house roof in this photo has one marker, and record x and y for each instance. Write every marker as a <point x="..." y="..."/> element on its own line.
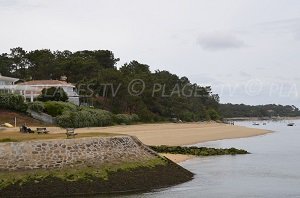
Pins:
<point x="46" y="83"/>
<point x="10" y="79"/>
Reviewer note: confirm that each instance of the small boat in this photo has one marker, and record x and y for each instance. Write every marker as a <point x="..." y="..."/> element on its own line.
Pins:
<point x="291" y="124"/>
<point x="255" y="123"/>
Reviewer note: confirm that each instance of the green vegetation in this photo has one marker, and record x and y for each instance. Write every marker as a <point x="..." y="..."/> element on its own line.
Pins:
<point x="53" y="94"/>
<point x="85" y="117"/>
<point x="213" y="114"/>
<point x="199" y="151"/>
<point x="36" y="106"/>
<point x="270" y="110"/>
<point x="8" y="140"/>
<point x="56" y="108"/>
<point x="73" y="174"/>
<point x="13" y="102"/>
<point x="104" y="86"/>
<point x="69" y="115"/>
<point x="126" y="119"/>
<point x="16" y="136"/>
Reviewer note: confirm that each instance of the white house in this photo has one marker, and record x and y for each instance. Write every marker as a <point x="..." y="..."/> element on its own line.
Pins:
<point x="7" y="80"/>
<point x="39" y="85"/>
<point x="32" y="89"/>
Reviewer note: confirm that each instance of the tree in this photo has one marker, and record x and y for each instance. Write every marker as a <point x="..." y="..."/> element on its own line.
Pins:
<point x="101" y="84"/>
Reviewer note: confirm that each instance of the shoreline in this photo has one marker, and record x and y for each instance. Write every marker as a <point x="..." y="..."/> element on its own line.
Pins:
<point x="84" y="166"/>
<point x="173" y="134"/>
<point x="183" y="134"/>
<point x="177" y="158"/>
<point x="262" y="118"/>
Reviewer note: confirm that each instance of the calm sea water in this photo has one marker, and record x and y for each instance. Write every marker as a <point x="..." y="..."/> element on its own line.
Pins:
<point x="272" y="170"/>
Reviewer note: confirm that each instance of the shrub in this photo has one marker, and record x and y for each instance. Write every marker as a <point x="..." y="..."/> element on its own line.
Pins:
<point x="85" y="117"/>
<point x="187" y="116"/>
<point x="36" y="106"/>
<point x="213" y="114"/>
<point x="126" y="118"/>
<point x="55" y="108"/>
<point x="103" y="117"/>
<point x="13" y="102"/>
<point x="135" y="118"/>
<point x="145" y="115"/>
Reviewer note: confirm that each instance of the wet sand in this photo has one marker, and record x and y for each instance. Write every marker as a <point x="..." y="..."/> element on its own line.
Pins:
<point x="177" y="158"/>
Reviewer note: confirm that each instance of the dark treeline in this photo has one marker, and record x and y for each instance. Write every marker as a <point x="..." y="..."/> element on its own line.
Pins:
<point x="102" y="85"/>
<point x="269" y="110"/>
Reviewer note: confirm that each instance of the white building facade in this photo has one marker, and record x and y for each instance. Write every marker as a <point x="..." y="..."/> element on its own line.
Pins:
<point x="32" y="89"/>
<point x="4" y="80"/>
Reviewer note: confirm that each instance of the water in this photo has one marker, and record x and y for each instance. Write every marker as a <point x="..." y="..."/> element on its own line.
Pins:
<point x="272" y="170"/>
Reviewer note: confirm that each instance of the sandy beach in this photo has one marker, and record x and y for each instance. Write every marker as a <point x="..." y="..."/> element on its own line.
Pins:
<point x="174" y="134"/>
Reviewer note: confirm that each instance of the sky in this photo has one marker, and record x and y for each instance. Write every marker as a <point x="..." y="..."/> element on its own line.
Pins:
<point x="247" y="50"/>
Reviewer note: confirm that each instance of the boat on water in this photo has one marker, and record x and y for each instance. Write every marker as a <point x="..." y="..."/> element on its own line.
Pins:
<point x="255" y="123"/>
<point x="291" y="124"/>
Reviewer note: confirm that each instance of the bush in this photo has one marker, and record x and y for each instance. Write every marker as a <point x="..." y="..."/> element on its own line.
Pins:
<point x="13" y="102"/>
<point x="85" y="117"/>
<point x="36" y="106"/>
<point x="126" y="118"/>
<point x="55" y="108"/>
<point x="213" y="114"/>
<point x="135" y="118"/>
<point x="187" y="116"/>
<point x="145" y="115"/>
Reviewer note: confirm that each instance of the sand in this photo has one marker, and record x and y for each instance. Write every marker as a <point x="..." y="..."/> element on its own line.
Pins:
<point x="174" y="134"/>
<point x="177" y="158"/>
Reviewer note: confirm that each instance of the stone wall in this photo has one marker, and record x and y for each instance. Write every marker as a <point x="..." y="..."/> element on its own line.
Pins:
<point x="72" y="152"/>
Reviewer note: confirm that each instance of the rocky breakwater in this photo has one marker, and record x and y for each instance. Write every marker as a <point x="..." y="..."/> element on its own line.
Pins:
<point x="83" y="166"/>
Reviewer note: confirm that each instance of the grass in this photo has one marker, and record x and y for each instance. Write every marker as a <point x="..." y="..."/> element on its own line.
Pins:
<point x="74" y="174"/>
<point x="16" y="136"/>
<point x="8" y="140"/>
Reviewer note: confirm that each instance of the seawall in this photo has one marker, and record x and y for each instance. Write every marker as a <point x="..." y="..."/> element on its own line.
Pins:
<point x="48" y="154"/>
<point x="84" y="166"/>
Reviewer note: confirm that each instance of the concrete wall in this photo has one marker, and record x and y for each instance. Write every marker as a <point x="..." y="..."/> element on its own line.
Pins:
<point x="72" y="152"/>
<point x="42" y="117"/>
<point x="74" y="100"/>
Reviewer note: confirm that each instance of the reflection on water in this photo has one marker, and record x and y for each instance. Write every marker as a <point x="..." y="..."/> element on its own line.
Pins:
<point x="272" y="170"/>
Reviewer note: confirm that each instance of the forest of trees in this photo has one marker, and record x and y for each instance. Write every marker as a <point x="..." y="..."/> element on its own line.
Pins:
<point x="101" y="84"/>
<point x="269" y="110"/>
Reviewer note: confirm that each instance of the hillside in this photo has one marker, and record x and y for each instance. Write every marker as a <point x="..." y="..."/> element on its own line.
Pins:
<point x="132" y="88"/>
<point x="7" y="116"/>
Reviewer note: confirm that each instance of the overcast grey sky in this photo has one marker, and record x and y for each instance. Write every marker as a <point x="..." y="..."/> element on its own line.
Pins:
<point x="247" y="50"/>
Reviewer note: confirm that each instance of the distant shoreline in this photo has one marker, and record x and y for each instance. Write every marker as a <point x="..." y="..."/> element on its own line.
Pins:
<point x="262" y="119"/>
